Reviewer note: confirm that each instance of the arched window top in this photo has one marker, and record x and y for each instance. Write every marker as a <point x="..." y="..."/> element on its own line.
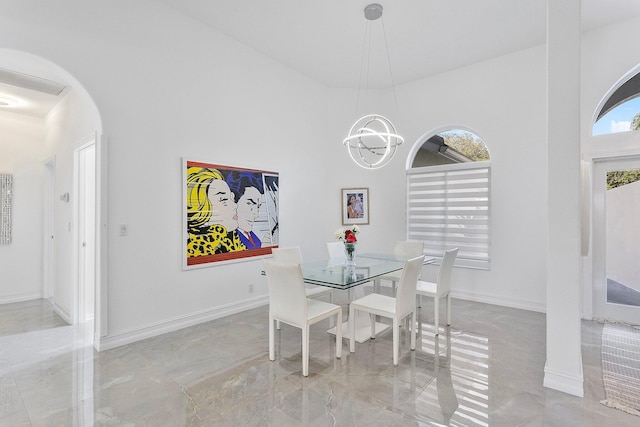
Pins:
<point x="449" y="194"/>
<point x="451" y="146"/>
<point x="621" y="111"/>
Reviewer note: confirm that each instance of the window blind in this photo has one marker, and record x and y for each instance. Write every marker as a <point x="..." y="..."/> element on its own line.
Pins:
<point x="448" y="206"/>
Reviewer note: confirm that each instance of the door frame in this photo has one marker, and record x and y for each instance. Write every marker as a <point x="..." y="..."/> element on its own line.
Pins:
<point x="48" y="259"/>
<point x="602" y="309"/>
<point x="85" y="195"/>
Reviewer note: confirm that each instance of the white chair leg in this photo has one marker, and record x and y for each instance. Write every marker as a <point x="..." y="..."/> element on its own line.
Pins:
<point x="352" y="330"/>
<point x="272" y="347"/>
<point x="448" y="309"/>
<point x="413" y="336"/>
<point x="393" y="287"/>
<point x="436" y="312"/>
<point x="396" y="341"/>
<point x="376" y="286"/>
<point x="277" y="324"/>
<point x="339" y="334"/>
<point x="305" y="351"/>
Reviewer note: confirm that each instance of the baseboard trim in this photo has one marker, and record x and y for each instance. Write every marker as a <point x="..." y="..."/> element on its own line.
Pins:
<point x="504" y="302"/>
<point x="149" y="331"/>
<point x="177" y="323"/>
<point x="8" y="299"/>
<point x="565" y="383"/>
<point x="62" y="312"/>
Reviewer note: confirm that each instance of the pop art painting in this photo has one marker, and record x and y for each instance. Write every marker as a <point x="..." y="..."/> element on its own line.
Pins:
<point x="230" y="213"/>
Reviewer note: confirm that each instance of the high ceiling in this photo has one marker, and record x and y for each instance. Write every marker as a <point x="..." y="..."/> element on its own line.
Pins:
<point x="324" y="40"/>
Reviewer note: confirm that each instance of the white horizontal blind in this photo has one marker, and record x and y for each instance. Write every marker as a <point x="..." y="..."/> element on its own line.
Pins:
<point x="448" y="207"/>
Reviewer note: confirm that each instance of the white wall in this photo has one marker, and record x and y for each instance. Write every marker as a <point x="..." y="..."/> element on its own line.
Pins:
<point x="503" y="101"/>
<point x="21" y="143"/>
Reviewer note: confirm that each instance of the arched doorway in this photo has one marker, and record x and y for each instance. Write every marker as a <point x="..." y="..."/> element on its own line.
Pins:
<point x="61" y="123"/>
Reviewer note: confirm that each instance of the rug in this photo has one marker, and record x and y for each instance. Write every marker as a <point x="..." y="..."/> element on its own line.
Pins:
<point x="621" y="367"/>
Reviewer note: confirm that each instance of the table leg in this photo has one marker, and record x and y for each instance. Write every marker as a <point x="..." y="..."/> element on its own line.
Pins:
<point x="363" y="321"/>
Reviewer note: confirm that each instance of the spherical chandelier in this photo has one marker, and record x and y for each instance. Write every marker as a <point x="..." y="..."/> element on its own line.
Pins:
<point x="372" y="140"/>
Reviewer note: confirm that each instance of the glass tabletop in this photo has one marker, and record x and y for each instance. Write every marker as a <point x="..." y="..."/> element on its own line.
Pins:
<point x="334" y="273"/>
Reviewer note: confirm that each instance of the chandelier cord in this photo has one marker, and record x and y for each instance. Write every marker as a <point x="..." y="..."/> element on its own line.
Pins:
<point x="366" y="53"/>
<point x="367" y="37"/>
<point x="386" y="46"/>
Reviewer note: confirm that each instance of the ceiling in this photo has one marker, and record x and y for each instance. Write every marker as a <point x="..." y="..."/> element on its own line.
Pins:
<point x="325" y="40"/>
<point x="28" y="94"/>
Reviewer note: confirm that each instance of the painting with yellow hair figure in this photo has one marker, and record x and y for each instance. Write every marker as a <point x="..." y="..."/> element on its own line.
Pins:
<point x="230" y="213"/>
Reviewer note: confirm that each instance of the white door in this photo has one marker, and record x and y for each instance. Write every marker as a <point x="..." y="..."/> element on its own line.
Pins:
<point x="616" y="242"/>
<point x="86" y="231"/>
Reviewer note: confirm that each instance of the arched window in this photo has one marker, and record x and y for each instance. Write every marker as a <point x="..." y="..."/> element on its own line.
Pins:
<point x="621" y="111"/>
<point x="448" y="197"/>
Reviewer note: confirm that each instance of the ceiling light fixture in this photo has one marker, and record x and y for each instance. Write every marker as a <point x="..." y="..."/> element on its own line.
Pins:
<point x="373" y="140"/>
<point x="8" y="101"/>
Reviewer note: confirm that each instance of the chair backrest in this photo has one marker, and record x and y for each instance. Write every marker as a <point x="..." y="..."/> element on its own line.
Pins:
<point x="335" y="250"/>
<point x="446" y="267"/>
<point x="408" y="250"/>
<point x="406" y="293"/>
<point x="287" y="296"/>
<point x="291" y="254"/>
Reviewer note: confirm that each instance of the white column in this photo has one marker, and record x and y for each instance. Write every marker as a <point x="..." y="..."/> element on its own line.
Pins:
<point x="563" y="369"/>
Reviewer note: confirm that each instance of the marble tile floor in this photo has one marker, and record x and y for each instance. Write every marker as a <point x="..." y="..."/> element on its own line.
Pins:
<point x="488" y="372"/>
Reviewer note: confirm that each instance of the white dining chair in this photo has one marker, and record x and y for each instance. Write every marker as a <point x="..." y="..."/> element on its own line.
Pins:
<point x="402" y="249"/>
<point x="289" y="254"/>
<point x="288" y="303"/>
<point x="335" y="250"/>
<point x="396" y="308"/>
<point x="294" y="255"/>
<point x="440" y="288"/>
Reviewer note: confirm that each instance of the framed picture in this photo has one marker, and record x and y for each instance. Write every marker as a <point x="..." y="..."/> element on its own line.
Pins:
<point x="355" y="206"/>
<point x="229" y="213"/>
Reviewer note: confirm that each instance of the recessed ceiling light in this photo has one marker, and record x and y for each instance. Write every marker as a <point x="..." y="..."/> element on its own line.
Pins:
<point x="8" y="101"/>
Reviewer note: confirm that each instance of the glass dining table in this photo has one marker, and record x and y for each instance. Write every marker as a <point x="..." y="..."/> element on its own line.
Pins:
<point x="334" y="273"/>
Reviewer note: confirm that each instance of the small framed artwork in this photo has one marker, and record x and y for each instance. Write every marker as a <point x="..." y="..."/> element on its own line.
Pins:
<point x="355" y="206"/>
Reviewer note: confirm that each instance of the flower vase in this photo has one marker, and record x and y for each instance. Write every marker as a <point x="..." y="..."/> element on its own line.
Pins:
<point x="350" y="253"/>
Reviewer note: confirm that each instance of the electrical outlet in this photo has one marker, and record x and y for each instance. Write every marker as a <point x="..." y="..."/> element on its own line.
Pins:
<point x="251" y="288"/>
<point x="124" y="230"/>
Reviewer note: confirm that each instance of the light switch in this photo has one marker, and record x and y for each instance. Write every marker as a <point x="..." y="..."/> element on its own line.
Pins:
<point x="124" y="229"/>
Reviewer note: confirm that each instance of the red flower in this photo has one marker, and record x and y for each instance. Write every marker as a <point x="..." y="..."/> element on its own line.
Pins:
<point x="349" y="237"/>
